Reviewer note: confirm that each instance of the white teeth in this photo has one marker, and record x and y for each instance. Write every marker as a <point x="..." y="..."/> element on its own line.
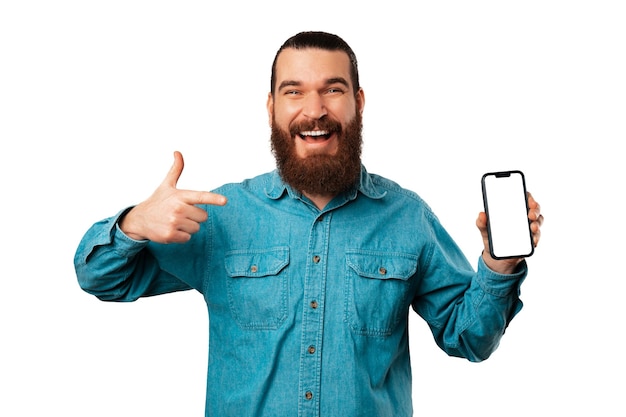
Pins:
<point x="314" y="133"/>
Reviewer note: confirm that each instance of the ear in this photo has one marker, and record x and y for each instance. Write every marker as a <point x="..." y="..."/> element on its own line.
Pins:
<point x="270" y="108"/>
<point x="360" y="100"/>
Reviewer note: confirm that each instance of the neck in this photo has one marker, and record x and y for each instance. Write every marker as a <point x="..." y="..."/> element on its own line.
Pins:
<point x="320" y="200"/>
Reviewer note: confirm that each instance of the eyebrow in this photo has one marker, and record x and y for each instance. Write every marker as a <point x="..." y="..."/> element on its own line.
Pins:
<point x="330" y="81"/>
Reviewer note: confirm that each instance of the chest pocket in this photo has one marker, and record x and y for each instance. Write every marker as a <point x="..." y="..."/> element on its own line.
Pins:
<point x="377" y="290"/>
<point x="258" y="287"/>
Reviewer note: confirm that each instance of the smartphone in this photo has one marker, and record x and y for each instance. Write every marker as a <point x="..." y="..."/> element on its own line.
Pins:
<point x="506" y="205"/>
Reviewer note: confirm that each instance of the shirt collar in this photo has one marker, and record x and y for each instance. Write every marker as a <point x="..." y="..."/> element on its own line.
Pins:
<point x="276" y="187"/>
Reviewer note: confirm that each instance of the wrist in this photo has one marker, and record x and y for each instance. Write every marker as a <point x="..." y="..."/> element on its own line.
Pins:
<point x="501" y="266"/>
<point x="125" y="223"/>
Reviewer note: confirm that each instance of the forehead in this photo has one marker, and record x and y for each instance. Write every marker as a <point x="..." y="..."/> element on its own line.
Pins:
<point x="311" y="65"/>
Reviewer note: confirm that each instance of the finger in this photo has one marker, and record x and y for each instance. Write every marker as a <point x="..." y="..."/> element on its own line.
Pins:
<point x="190" y="226"/>
<point x="176" y="236"/>
<point x="534" y="208"/>
<point x="536" y="236"/>
<point x="534" y="214"/>
<point x="202" y="197"/>
<point x="481" y="223"/>
<point x="481" y="220"/>
<point x="180" y="229"/>
<point x="171" y="179"/>
<point x="196" y="214"/>
<point x="532" y="203"/>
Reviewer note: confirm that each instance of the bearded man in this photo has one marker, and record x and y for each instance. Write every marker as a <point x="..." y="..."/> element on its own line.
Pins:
<point x="308" y="272"/>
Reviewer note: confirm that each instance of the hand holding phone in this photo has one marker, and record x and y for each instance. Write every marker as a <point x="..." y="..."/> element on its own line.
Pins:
<point x="506" y="205"/>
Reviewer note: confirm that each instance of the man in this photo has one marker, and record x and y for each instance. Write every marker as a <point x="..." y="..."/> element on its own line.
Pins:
<point x="308" y="272"/>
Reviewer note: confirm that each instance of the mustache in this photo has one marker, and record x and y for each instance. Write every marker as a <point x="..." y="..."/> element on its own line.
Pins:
<point x="325" y="123"/>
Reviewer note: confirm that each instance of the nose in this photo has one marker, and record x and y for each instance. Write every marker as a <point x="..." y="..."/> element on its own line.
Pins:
<point x="314" y="107"/>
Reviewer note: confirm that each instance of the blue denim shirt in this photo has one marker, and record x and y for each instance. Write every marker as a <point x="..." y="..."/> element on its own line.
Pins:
<point x="308" y="309"/>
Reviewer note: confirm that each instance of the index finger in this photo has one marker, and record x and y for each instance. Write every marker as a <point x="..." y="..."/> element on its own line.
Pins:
<point x="203" y="197"/>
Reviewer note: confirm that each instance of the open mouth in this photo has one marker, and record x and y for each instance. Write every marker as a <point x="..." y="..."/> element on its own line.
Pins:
<point x="315" y="135"/>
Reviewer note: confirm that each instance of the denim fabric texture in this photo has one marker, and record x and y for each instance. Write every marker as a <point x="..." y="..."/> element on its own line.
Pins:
<point x="308" y="309"/>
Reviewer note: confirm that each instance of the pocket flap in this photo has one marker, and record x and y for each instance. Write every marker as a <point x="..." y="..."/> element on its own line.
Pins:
<point x="382" y="265"/>
<point x="256" y="263"/>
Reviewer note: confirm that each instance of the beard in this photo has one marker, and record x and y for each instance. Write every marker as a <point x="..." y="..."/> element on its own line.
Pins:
<point x="320" y="174"/>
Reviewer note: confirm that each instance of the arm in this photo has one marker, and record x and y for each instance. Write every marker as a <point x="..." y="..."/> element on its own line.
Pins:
<point x="114" y="267"/>
<point x="468" y="312"/>
<point x="115" y="259"/>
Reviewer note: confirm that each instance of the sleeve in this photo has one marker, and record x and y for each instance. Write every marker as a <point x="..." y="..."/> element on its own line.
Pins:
<point x="114" y="267"/>
<point x="467" y="312"/>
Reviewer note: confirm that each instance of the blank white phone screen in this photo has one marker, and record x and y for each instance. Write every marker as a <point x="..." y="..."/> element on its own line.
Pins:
<point x="505" y="204"/>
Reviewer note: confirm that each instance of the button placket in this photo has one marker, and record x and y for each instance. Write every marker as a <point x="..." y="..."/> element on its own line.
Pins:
<point x="313" y="316"/>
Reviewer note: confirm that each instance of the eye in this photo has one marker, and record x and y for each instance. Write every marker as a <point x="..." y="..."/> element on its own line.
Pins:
<point x="335" y="90"/>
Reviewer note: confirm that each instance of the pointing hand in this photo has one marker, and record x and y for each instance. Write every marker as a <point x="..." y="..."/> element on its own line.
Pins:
<point x="169" y="215"/>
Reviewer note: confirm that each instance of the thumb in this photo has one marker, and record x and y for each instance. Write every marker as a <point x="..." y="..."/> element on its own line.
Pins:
<point x="481" y="223"/>
<point x="171" y="179"/>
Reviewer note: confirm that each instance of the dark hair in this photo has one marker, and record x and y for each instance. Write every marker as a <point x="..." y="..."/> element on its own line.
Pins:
<point x="319" y="40"/>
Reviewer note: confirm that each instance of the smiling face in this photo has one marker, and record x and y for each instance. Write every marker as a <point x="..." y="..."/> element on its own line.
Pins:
<point x="315" y="116"/>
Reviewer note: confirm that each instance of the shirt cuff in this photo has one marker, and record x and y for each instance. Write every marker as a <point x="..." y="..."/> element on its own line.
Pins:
<point x="122" y="242"/>
<point x="500" y="285"/>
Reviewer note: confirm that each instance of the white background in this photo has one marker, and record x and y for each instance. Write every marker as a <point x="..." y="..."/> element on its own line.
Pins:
<point x="96" y="95"/>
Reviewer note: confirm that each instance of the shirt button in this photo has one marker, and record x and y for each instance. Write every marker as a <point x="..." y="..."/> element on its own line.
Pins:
<point x="316" y="259"/>
<point x="314" y="304"/>
<point x="308" y="395"/>
<point x="254" y="268"/>
<point x="311" y="349"/>
<point x="382" y="270"/>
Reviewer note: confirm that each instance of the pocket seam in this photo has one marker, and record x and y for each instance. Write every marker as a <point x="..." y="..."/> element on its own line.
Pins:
<point x="368" y="269"/>
<point x="238" y="267"/>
